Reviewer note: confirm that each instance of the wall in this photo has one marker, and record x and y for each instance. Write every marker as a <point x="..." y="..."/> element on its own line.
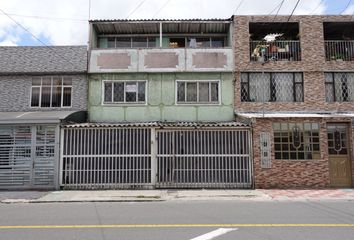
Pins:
<point x="313" y="64"/>
<point x="15" y="94"/>
<point x="160" y="99"/>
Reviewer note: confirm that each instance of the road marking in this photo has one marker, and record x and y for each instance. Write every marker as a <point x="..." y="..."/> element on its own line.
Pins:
<point x="231" y="225"/>
<point x="214" y="234"/>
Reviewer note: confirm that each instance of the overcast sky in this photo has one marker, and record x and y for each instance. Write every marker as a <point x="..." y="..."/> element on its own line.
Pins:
<point x="64" y="22"/>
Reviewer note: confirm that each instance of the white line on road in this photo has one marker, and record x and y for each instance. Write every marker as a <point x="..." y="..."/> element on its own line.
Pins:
<point x="214" y="234"/>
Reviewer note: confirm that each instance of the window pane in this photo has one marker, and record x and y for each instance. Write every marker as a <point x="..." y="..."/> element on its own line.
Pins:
<point x="191" y="92"/>
<point x="141" y="91"/>
<point x="203" y="92"/>
<point x="118" y="92"/>
<point x="181" y="92"/>
<point x="123" y="43"/>
<point x="36" y="81"/>
<point x="45" y="96"/>
<point x="152" y="42"/>
<point x="203" y="42"/>
<point x="107" y="92"/>
<point x="67" y="97"/>
<point x="259" y="87"/>
<point x="56" y="81"/>
<point x="35" y="96"/>
<point x="177" y="42"/>
<point x="67" y="81"/>
<point x="47" y="81"/>
<point x="130" y="91"/>
<point x="217" y="42"/>
<point x="299" y="97"/>
<point x="56" y="96"/>
<point x="282" y="87"/>
<point x="329" y="92"/>
<point x="111" y="42"/>
<point x="139" y="42"/>
<point x="214" y="92"/>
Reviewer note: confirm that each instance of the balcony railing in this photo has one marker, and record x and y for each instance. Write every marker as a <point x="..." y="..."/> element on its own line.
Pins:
<point x="275" y="51"/>
<point x="339" y="50"/>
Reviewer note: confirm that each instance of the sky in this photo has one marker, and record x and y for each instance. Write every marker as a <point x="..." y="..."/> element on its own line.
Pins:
<point x="65" y="22"/>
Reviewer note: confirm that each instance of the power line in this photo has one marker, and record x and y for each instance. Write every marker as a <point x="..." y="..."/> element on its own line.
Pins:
<point x="297" y="3"/>
<point x="137" y="7"/>
<point x="313" y="11"/>
<point x="162" y="7"/>
<point x="275" y="8"/>
<point x="238" y="6"/>
<point x="48" y="18"/>
<point x="346" y="7"/>
<point x="34" y="36"/>
<point x="281" y="4"/>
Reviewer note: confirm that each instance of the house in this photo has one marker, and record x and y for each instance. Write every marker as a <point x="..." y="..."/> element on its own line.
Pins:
<point x="40" y="89"/>
<point x="161" y="109"/>
<point x="297" y="92"/>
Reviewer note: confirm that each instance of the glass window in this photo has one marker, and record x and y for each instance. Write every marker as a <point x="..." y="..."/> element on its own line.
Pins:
<point x="139" y="42"/>
<point x="296" y="141"/>
<point x="111" y="42"/>
<point x="123" y="42"/>
<point x="124" y="91"/>
<point x="197" y="91"/>
<point x="50" y="92"/>
<point x="339" y="87"/>
<point x="177" y="42"/>
<point x="217" y="42"/>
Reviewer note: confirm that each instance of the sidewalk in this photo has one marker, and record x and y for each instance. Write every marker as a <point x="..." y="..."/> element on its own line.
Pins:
<point x="176" y="195"/>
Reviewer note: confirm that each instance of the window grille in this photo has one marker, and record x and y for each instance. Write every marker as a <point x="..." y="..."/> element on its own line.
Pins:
<point x="339" y="87"/>
<point x="124" y="91"/>
<point x="272" y="87"/>
<point x="198" y="92"/>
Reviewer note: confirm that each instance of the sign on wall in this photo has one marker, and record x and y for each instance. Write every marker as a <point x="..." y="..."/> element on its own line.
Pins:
<point x="266" y="161"/>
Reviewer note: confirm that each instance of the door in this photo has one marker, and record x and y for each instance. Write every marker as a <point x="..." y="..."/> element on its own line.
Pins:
<point x="339" y="156"/>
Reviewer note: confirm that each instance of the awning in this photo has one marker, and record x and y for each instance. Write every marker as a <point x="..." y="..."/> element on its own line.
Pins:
<point x="42" y="117"/>
<point x="295" y="115"/>
<point x="159" y="124"/>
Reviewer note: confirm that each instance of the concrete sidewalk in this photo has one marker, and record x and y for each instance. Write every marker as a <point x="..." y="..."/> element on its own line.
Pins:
<point x="176" y="195"/>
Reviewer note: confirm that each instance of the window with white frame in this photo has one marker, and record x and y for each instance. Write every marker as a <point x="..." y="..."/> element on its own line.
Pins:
<point x="124" y="91"/>
<point x="272" y="87"/>
<point x="50" y="92"/>
<point x="339" y="87"/>
<point x="198" y="91"/>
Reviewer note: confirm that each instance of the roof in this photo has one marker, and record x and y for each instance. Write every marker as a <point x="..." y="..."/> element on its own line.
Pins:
<point x="159" y="124"/>
<point x="295" y="115"/>
<point x="152" y="26"/>
<point x="43" y="59"/>
<point x="42" y="117"/>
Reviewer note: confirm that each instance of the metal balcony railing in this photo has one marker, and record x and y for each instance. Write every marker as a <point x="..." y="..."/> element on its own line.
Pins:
<point x="275" y="51"/>
<point x="338" y="50"/>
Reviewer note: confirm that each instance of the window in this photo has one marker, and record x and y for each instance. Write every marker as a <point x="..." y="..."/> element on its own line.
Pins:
<point x="130" y="42"/>
<point x="339" y="87"/>
<point x="206" y="42"/>
<point x="124" y="91"/>
<point x="51" y="92"/>
<point x="272" y="87"/>
<point x="296" y="141"/>
<point x="198" y="92"/>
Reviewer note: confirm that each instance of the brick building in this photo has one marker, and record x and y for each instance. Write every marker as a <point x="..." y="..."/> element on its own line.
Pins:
<point x="297" y="92"/>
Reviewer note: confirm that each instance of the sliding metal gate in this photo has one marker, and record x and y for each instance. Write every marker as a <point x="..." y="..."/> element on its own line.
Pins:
<point x="214" y="158"/>
<point x="28" y="156"/>
<point x="106" y="158"/>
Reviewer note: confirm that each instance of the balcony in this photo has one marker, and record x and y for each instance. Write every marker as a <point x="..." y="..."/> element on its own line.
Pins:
<point x="339" y="50"/>
<point x="279" y="50"/>
<point x="161" y="60"/>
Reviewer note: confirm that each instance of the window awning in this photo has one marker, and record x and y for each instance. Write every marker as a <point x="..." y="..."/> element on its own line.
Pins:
<point x="42" y="117"/>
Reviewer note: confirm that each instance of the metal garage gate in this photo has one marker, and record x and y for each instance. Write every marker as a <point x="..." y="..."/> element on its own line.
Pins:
<point x="213" y="158"/>
<point x="27" y="156"/>
<point x="105" y="157"/>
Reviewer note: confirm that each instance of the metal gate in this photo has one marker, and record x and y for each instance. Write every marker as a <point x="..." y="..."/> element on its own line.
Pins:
<point x="213" y="158"/>
<point x="27" y="156"/>
<point x="105" y="157"/>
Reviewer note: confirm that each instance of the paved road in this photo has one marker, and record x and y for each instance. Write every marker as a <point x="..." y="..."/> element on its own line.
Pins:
<point x="178" y="220"/>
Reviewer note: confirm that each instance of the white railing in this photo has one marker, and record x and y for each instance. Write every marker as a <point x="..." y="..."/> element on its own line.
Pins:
<point x="275" y="51"/>
<point x="339" y="50"/>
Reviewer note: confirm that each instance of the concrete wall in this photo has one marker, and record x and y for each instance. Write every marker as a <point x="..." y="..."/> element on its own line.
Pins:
<point x="161" y="104"/>
<point x="15" y="94"/>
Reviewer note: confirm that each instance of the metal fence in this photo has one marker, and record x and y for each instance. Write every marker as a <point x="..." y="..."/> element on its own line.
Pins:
<point x="275" y="51"/>
<point x="339" y="50"/>
<point x="106" y="158"/>
<point x="204" y="159"/>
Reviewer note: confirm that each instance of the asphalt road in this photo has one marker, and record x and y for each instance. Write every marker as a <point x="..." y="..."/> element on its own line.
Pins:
<point x="178" y="220"/>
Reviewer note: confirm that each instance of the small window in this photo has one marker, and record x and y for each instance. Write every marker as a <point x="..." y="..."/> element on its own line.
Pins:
<point x="339" y="87"/>
<point x="123" y="43"/>
<point x="198" y="92"/>
<point x="50" y="92"/>
<point x="124" y="91"/>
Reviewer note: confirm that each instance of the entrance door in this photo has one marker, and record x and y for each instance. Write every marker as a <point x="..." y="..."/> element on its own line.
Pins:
<point x="339" y="157"/>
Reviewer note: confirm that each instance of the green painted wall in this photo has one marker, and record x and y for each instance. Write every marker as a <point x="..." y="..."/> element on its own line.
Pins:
<point x="160" y="99"/>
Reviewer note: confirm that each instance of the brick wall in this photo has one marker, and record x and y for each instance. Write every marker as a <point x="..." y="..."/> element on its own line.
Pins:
<point x="292" y="173"/>
<point x="313" y="64"/>
<point x="15" y="94"/>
